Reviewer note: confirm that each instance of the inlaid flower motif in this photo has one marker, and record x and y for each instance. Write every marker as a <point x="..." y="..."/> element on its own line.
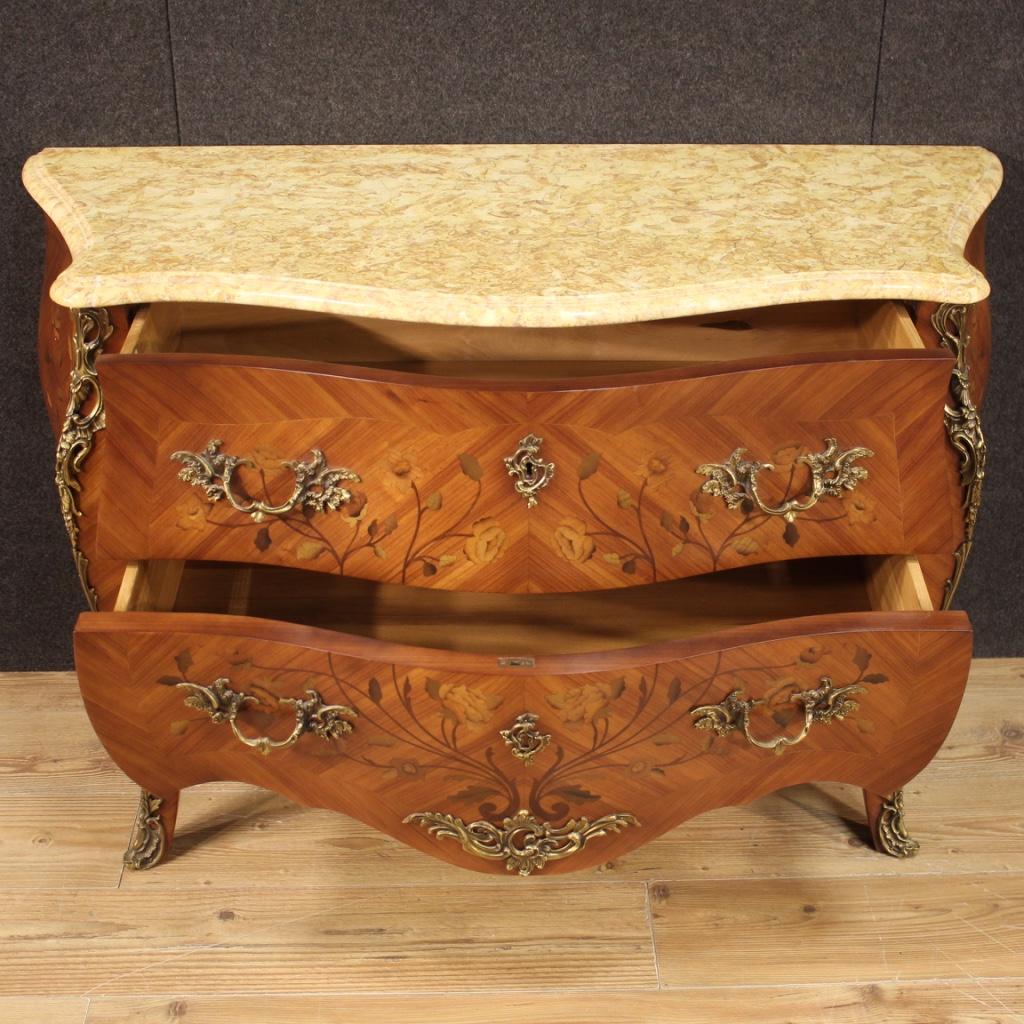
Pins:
<point x="859" y="509"/>
<point x="467" y="704"/>
<point x="487" y="542"/>
<point x="702" y="505"/>
<point x="746" y="546"/>
<point x="355" y="505"/>
<point x="812" y="654"/>
<point x="785" y="455"/>
<point x="587" y="702"/>
<point x="402" y="473"/>
<point x="655" y="470"/>
<point x="192" y="512"/>
<point x="572" y="540"/>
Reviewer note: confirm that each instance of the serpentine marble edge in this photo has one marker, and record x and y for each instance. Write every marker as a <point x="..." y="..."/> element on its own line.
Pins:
<point x="536" y="236"/>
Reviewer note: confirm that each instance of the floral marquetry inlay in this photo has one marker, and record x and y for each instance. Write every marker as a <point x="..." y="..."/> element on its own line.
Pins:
<point x="462" y="737"/>
<point x="702" y="528"/>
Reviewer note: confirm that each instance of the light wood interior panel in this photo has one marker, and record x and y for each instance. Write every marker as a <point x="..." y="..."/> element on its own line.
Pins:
<point x="522" y="353"/>
<point x="537" y="623"/>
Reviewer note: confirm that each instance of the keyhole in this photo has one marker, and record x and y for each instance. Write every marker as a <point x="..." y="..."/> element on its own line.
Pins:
<point x="529" y="469"/>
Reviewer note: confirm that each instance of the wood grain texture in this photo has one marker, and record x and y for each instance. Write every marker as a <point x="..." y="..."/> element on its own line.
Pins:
<point x="495" y="352"/>
<point x="963" y="1001"/>
<point x="426" y="736"/>
<point x="172" y="951"/>
<point x="43" y="1010"/>
<point x="863" y="930"/>
<point x="432" y="939"/>
<point x="436" y="508"/>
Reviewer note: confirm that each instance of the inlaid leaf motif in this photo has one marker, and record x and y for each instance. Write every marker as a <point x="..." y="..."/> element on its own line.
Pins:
<point x="675" y="688"/>
<point x="262" y="538"/>
<point x="588" y="465"/>
<point x="473" y="794"/>
<point x="576" y="794"/>
<point x="791" y="535"/>
<point x="861" y="658"/>
<point x="471" y="467"/>
<point x="183" y="659"/>
<point x="170" y="680"/>
<point x="374" y="691"/>
<point x="874" y="677"/>
<point x="433" y="501"/>
<point x="307" y="550"/>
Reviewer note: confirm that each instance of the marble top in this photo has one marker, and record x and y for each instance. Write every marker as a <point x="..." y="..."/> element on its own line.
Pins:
<point x="515" y="235"/>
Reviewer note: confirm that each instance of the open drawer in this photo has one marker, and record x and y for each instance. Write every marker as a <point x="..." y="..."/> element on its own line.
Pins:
<point x="522" y="731"/>
<point x="788" y="437"/>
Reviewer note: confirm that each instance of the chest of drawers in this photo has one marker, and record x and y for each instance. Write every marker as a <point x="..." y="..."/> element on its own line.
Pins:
<point x="521" y="502"/>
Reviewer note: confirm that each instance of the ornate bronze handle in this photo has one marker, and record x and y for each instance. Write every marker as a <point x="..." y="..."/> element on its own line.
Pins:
<point x="522" y="842"/>
<point x="825" y="704"/>
<point x="531" y="473"/>
<point x="316" y="485"/>
<point x="525" y="739"/>
<point x="222" y="704"/>
<point x="832" y="472"/>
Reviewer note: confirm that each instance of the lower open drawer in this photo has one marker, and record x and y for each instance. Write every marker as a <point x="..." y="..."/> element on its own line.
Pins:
<point x="523" y="732"/>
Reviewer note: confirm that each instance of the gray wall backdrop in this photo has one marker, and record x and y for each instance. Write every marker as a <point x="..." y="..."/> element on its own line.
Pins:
<point x="209" y="72"/>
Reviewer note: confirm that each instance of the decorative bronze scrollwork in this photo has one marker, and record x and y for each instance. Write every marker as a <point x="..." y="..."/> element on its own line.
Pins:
<point x="963" y="424"/>
<point x="222" y="704"/>
<point x="832" y="472"/>
<point x="84" y="417"/>
<point x="525" y="739"/>
<point x="317" y="486"/>
<point x="892" y="829"/>
<point x="531" y="472"/>
<point x="149" y="841"/>
<point x="522" y="842"/>
<point x="824" y="704"/>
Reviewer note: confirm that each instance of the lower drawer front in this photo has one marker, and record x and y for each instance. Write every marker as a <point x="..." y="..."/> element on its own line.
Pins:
<point x="432" y="747"/>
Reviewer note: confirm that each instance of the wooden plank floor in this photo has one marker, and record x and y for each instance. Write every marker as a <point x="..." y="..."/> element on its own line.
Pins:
<point x="776" y="912"/>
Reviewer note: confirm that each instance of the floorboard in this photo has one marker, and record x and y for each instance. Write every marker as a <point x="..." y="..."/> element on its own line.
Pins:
<point x="777" y="912"/>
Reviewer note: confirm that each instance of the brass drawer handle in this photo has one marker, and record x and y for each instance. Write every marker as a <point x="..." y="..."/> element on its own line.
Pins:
<point x="531" y="472"/>
<point x="317" y="486"/>
<point x="525" y="739"/>
<point x="222" y="704"/>
<point x="825" y="704"/>
<point x="832" y="472"/>
<point x="523" y="842"/>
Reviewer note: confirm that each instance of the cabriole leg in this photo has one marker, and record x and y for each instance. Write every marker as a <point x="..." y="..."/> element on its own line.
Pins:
<point x="153" y="832"/>
<point x="888" y="829"/>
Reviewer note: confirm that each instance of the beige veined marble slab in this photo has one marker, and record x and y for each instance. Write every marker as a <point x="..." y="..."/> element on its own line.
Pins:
<point x="515" y="235"/>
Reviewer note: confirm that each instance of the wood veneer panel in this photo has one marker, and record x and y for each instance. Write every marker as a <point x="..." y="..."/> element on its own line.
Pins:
<point x="426" y="737"/>
<point x="436" y="507"/>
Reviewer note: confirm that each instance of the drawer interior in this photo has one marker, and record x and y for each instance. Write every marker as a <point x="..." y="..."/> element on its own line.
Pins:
<point x="534" y="624"/>
<point x="522" y="353"/>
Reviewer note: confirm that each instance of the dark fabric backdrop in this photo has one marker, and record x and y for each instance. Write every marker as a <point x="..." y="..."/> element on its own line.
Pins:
<point x="208" y="72"/>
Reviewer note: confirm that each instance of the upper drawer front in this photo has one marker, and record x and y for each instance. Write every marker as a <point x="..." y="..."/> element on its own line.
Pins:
<point x="403" y="737"/>
<point x="652" y="476"/>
